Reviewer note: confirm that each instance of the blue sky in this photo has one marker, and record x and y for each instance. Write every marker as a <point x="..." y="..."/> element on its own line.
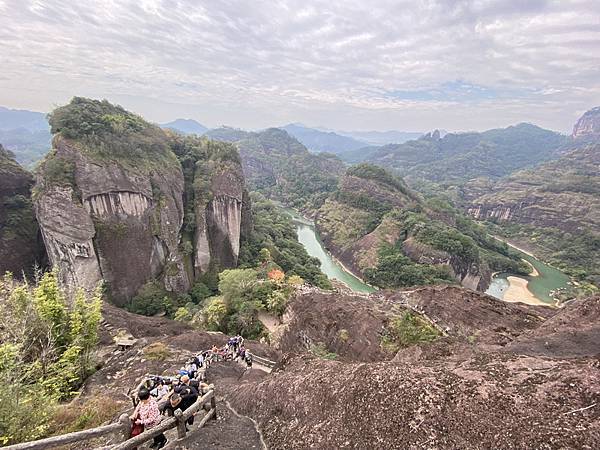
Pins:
<point x="387" y="64"/>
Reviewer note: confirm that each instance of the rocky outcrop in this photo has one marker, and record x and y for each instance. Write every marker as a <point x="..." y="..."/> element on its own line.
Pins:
<point x="470" y="274"/>
<point x="560" y="194"/>
<point x="113" y="198"/>
<point x="468" y="389"/>
<point x="20" y="244"/>
<point x="588" y="125"/>
<point x="219" y="221"/>
<point x="369" y="211"/>
<point x="111" y="221"/>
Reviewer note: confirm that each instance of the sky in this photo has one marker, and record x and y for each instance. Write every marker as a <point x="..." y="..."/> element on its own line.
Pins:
<point x="350" y="65"/>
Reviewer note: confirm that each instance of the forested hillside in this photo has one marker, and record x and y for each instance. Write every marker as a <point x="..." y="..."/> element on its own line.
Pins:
<point x="385" y="231"/>
<point x="281" y="168"/>
<point x="555" y="207"/>
<point x="456" y="158"/>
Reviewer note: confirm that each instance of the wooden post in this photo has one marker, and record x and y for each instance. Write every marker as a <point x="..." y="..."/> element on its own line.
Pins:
<point x="125" y="422"/>
<point x="180" y="423"/>
<point x="213" y="405"/>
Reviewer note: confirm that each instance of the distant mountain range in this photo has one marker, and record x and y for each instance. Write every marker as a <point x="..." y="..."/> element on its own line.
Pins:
<point x="342" y="142"/>
<point x="458" y="157"/>
<point x="319" y="141"/>
<point x="26" y="134"/>
<point x="11" y="119"/>
<point x="382" y="137"/>
<point x="186" y="126"/>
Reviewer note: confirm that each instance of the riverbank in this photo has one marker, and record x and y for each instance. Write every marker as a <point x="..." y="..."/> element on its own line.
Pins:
<point x="518" y="291"/>
<point x="537" y="288"/>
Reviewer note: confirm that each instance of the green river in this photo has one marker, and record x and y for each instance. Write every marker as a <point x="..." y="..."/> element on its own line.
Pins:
<point x="307" y="236"/>
<point x="541" y="286"/>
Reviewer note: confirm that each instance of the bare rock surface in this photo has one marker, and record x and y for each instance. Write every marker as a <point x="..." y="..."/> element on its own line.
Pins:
<point x="490" y="382"/>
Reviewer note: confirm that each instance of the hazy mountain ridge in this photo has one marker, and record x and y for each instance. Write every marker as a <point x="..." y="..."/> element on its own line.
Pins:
<point x="382" y="137"/>
<point x="323" y="141"/>
<point x="185" y="126"/>
<point x="458" y="157"/>
<point x="26" y="134"/>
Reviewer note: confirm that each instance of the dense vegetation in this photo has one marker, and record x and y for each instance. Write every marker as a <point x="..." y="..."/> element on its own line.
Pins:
<point x="109" y="131"/>
<point x="407" y="329"/>
<point x="394" y="269"/>
<point x="273" y="230"/>
<point x="281" y="168"/>
<point x="410" y="230"/>
<point x="45" y="352"/>
<point x="272" y="262"/>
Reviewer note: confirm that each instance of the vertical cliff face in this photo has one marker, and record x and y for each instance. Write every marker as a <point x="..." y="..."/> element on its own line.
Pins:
<point x="221" y="209"/>
<point x="122" y="201"/>
<point x="108" y="220"/>
<point x="20" y="247"/>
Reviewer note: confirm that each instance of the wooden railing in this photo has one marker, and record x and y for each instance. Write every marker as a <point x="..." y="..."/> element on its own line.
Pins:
<point x="123" y="426"/>
<point x="179" y="421"/>
<point x="264" y="361"/>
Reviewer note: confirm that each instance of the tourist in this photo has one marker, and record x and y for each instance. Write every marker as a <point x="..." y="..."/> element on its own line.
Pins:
<point x="160" y="388"/>
<point x="147" y="414"/>
<point x="248" y="359"/>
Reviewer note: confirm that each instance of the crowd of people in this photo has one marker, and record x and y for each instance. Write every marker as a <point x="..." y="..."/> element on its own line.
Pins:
<point x="160" y="395"/>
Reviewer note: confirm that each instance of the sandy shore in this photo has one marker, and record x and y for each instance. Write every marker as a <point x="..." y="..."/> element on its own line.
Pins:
<point x="518" y="292"/>
<point x="534" y="272"/>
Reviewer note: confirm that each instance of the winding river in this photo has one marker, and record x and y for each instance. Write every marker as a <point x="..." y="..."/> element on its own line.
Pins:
<point x="307" y="236"/>
<point x="544" y="280"/>
<point x="534" y="289"/>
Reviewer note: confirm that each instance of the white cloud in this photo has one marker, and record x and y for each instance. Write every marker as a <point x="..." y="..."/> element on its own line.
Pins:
<point x="331" y="63"/>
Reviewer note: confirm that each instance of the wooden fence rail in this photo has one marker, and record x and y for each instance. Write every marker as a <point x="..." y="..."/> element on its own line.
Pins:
<point x="178" y="421"/>
<point x="264" y="361"/>
<point x="123" y="425"/>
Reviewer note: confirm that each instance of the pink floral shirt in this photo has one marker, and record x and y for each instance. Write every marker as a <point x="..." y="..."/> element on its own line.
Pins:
<point x="148" y="413"/>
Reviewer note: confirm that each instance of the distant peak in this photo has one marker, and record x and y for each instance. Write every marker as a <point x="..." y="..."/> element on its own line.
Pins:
<point x="588" y="124"/>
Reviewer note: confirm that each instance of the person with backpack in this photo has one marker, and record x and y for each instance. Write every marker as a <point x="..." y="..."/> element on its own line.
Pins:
<point x="146" y="416"/>
<point x="248" y="359"/>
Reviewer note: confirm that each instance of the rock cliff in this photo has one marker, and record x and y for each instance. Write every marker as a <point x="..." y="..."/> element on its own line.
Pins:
<point x="111" y="220"/>
<point x="111" y="204"/>
<point x="588" y="125"/>
<point x="20" y="244"/>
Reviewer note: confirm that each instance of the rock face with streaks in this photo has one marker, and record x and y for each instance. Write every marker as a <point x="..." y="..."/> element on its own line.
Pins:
<point x="20" y="245"/>
<point x="112" y="221"/>
<point x="111" y="203"/>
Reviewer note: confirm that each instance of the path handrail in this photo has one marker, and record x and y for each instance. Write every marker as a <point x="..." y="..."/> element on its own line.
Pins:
<point x="123" y="425"/>
<point x="264" y="361"/>
<point x="178" y="421"/>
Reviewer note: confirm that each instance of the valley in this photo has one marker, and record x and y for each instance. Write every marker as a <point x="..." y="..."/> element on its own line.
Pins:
<point x="309" y="238"/>
<point x="174" y="240"/>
